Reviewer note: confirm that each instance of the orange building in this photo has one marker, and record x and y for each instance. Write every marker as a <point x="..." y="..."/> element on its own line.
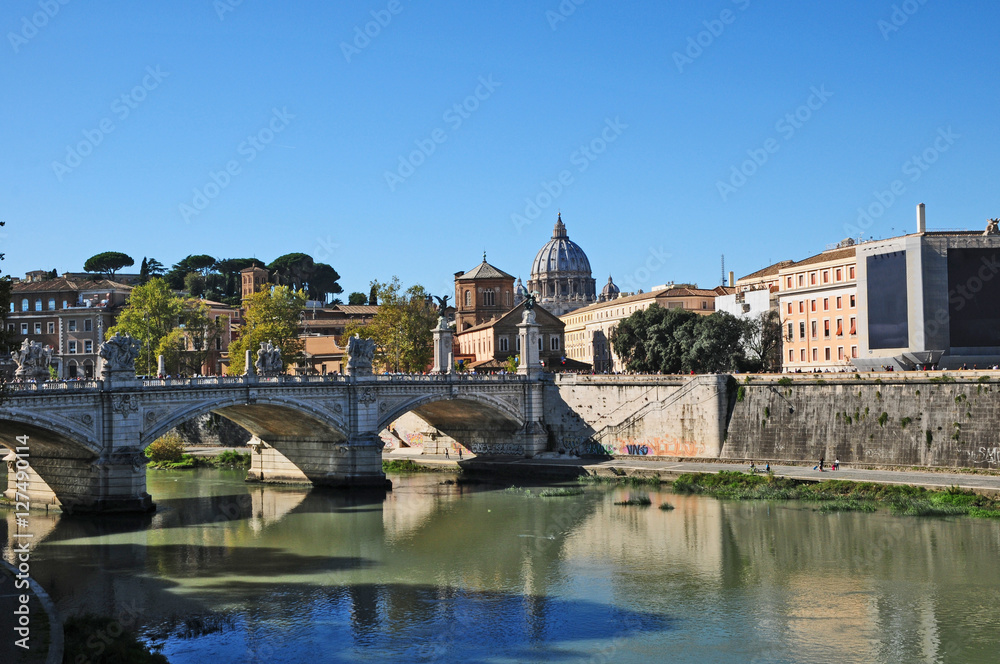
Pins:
<point x="819" y="311"/>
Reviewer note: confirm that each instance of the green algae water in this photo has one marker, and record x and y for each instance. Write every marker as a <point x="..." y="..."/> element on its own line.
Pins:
<point x="226" y="571"/>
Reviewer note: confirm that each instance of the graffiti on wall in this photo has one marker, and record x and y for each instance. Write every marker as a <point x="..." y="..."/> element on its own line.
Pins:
<point x="653" y="446"/>
<point x="497" y="448"/>
<point x="987" y="455"/>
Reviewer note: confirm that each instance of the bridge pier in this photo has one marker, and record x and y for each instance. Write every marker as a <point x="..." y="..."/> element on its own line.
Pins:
<point x="113" y="483"/>
<point x="337" y="463"/>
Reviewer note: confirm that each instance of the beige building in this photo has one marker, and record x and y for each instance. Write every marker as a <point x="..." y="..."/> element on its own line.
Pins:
<point x="482" y="294"/>
<point x="588" y="330"/>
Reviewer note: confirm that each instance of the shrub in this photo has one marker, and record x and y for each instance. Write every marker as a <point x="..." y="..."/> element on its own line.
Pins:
<point x="168" y="448"/>
<point x="785" y="381"/>
<point x="741" y="393"/>
<point x="642" y="501"/>
<point x="903" y="421"/>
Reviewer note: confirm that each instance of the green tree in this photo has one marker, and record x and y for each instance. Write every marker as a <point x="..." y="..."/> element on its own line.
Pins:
<point x="762" y="341"/>
<point x="108" y="263"/>
<point x="271" y="315"/>
<point x="357" y="298"/>
<point x="323" y="282"/>
<point x="401" y="328"/>
<point x="373" y="295"/>
<point x="202" y="263"/>
<point x="194" y="284"/>
<point x="679" y="340"/>
<point x="152" y="312"/>
<point x="144" y="271"/>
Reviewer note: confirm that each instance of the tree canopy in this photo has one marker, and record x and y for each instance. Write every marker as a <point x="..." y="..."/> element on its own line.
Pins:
<point x="108" y="263"/>
<point x="152" y="312"/>
<point x="401" y="328"/>
<point x="357" y="298"/>
<point x="271" y="315"/>
<point x="658" y="340"/>
<point x="301" y="272"/>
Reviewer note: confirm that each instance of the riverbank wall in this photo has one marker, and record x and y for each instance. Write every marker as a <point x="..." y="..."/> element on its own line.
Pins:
<point x="933" y="419"/>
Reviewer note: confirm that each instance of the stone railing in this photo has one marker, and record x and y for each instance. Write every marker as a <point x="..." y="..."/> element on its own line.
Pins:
<point x="54" y="386"/>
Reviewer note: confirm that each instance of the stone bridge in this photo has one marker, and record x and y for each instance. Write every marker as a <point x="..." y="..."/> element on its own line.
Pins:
<point x="85" y="439"/>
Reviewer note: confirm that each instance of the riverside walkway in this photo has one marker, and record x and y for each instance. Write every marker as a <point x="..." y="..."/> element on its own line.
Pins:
<point x="979" y="482"/>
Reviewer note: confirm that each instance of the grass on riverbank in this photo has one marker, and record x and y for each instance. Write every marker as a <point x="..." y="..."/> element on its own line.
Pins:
<point x="627" y="480"/>
<point x="410" y="466"/>
<point x="840" y="495"/>
<point x="228" y="459"/>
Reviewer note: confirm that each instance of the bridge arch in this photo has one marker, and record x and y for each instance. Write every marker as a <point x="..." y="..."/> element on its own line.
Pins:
<point x="49" y="433"/>
<point x="478" y="422"/>
<point x="267" y="417"/>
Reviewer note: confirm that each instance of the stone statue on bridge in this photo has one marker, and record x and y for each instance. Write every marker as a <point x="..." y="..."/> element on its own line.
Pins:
<point x="119" y="353"/>
<point x="992" y="227"/>
<point x="268" y="360"/>
<point x="32" y="361"/>
<point x="360" y="353"/>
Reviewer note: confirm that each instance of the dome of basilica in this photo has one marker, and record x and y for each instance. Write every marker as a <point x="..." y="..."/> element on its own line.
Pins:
<point x="560" y="254"/>
<point x="561" y="275"/>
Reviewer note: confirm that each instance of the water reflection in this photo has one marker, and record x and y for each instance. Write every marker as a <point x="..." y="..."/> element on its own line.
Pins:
<point x="234" y="572"/>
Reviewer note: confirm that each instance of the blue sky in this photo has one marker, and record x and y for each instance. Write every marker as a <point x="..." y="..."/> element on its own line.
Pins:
<point x="668" y="100"/>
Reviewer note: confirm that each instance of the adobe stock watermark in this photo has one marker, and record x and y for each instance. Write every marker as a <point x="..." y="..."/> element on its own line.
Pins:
<point x="363" y="35"/>
<point x="565" y="9"/>
<point x="31" y="25"/>
<point x="655" y="261"/>
<point x="787" y="127"/>
<point x="455" y="116"/>
<point x="22" y="547"/>
<point x="913" y="168"/>
<point x="713" y="30"/>
<point x="249" y="149"/>
<point x="901" y="13"/>
<point x="223" y="7"/>
<point x="121" y="108"/>
<point x="581" y="159"/>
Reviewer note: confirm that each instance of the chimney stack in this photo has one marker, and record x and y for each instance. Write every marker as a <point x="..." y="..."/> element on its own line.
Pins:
<point x="921" y="218"/>
<point x="732" y="279"/>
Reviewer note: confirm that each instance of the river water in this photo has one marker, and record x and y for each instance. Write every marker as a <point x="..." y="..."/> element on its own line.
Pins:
<point x="230" y="572"/>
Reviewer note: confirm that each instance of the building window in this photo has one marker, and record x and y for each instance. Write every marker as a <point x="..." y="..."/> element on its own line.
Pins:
<point x="24" y="329"/>
<point x="839" y="274"/>
<point x="815" y="354"/>
<point x="852" y="302"/>
<point x="801" y="277"/>
<point x="802" y="355"/>
<point x="72" y="325"/>
<point x="38" y="328"/>
<point x="840" y="302"/>
<point x="826" y="276"/>
<point x="850" y="272"/>
<point x="88" y="325"/>
<point x="506" y="299"/>
<point x="88" y="346"/>
<point x="791" y="355"/>
<point x="812" y="278"/>
<point x="468" y="298"/>
<point x="854" y="327"/>
<point x="826" y="304"/>
<point x="52" y="303"/>
<point x="72" y="370"/>
<point x="503" y="343"/>
<point x="802" y="330"/>
<point x="840" y="327"/>
<point x="24" y="304"/>
<point x="554" y="343"/>
<point x="517" y="343"/>
<point x="541" y="346"/>
<point x="826" y="329"/>
<point x="826" y="353"/>
<point x="52" y="328"/>
<point x="65" y="304"/>
<point x="789" y="335"/>
<point x="789" y="308"/>
<point x="801" y="306"/>
<point x="812" y="305"/>
<point x="840" y="352"/>
<point x="38" y="304"/>
<point x="489" y="298"/>
<point x="72" y="347"/>
<point x="854" y="351"/>
<point x="789" y="282"/>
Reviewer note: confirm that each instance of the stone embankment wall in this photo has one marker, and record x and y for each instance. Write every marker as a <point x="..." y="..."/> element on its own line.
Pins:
<point x="642" y="416"/>
<point x="889" y="419"/>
